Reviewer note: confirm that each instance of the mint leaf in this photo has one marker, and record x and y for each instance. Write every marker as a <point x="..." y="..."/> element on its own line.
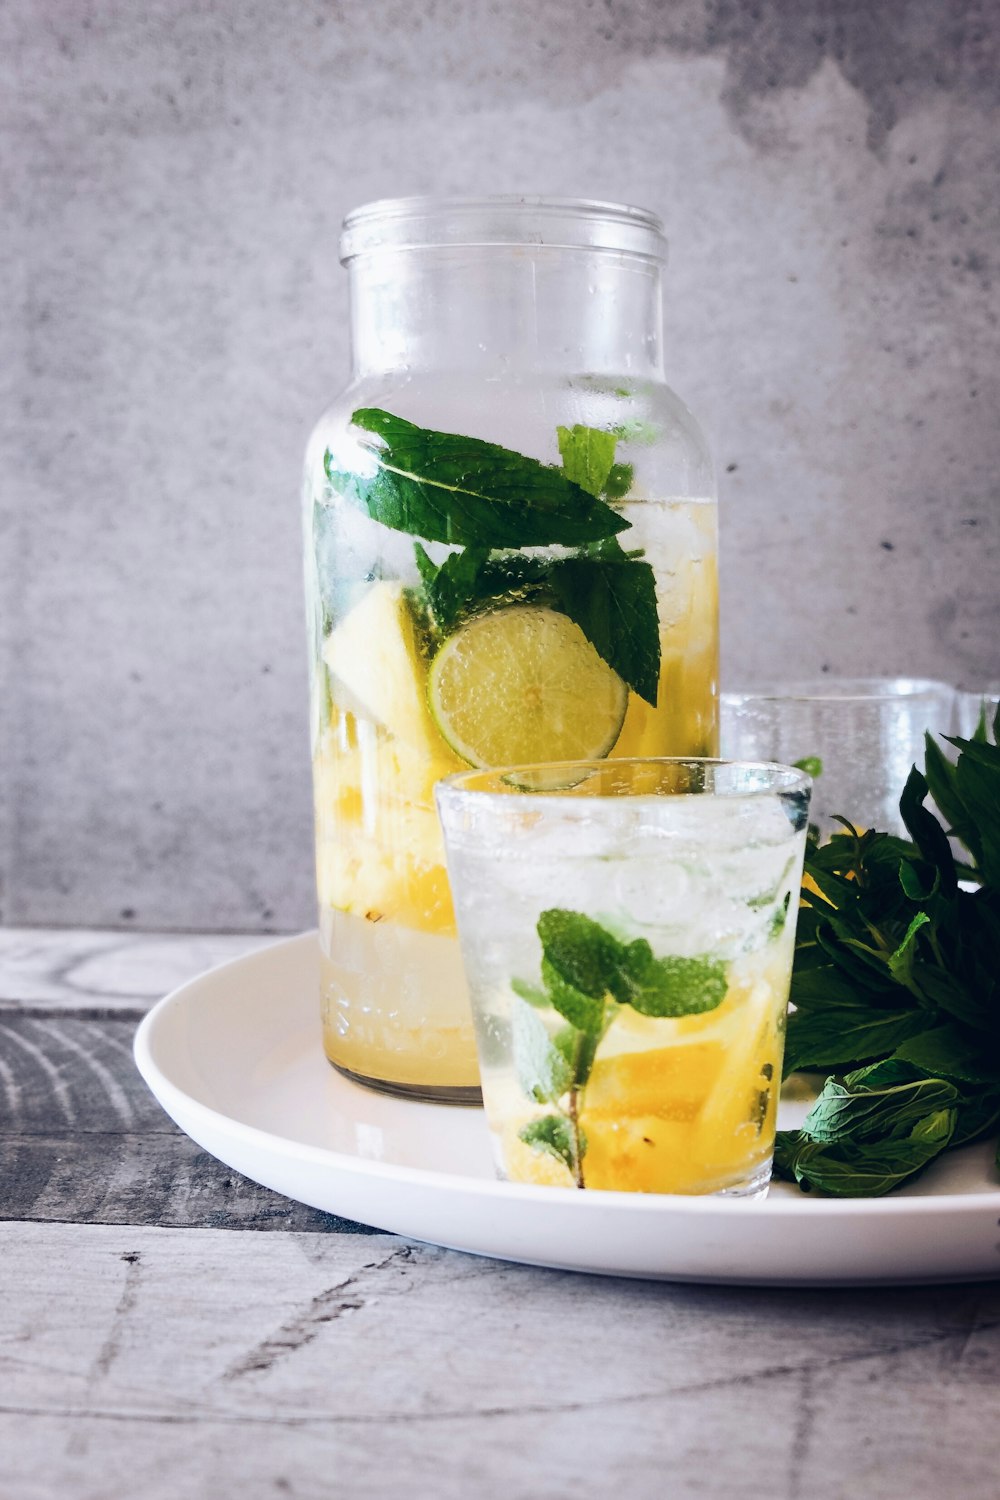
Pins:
<point x="552" y="1135"/>
<point x="613" y="600"/>
<point x="869" y="1133"/>
<point x="977" y="778"/>
<point x="949" y="1051"/>
<point x="581" y="952"/>
<point x="534" y="996"/>
<point x="914" y="886"/>
<point x="587" y="974"/>
<point x="619" y="481"/>
<point x="925" y="830"/>
<point x="978" y="1113"/>
<point x="942" y="783"/>
<point x="543" y="1072"/>
<point x="779" y="917"/>
<point x="810" y="764"/>
<point x="587" y="455"/>
<point x="448" y="488"/>
<point x="581" y="1010"/>
<point x="852" y="1169"/>
<point x="679" y="987"/>
<point x="822" y="986"/>
<point x="838" y="1036"/>
<point x="454" y="585"/>
<point x="902" y="960"/>
<point x="471" y="581"/>
<point x="950" y="994"/>
<point x="426" y="567"/>
<point x="581" y="958"/>
<point x="865" y="1110"/>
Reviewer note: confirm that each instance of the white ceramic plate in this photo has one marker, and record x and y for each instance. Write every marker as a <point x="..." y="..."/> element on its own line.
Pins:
<point x="235" y="1059"/>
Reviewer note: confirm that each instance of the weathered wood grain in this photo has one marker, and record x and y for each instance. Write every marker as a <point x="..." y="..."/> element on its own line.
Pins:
<point x="162" y="1179"/>
<point x="83" y="1140"/>
<point x="61" y="1073"/>
<point x="175" y="1363"/>
<point x="107" y="972"/>
<point x="145" y="1353"/>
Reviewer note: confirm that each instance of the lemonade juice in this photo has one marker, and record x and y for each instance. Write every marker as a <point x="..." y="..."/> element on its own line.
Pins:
<point x="629" y="963"/>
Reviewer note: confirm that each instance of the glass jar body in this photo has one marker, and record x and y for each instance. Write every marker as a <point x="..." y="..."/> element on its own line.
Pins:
<point x="522" y="648"/>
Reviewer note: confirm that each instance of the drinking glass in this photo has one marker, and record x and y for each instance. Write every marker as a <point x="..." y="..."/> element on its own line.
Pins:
<point x="627" y="929"/>
<point x="866" y="731"/>
<point x="973" y="704"/>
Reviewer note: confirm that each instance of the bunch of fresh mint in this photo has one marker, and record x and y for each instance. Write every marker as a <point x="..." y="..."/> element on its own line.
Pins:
<point x="588" y="975"/>
<point x="896" y="984"/>
<point x="493" y="502"/>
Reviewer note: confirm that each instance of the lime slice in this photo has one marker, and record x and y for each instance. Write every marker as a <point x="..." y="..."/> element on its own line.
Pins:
<point x="524" y="684"/>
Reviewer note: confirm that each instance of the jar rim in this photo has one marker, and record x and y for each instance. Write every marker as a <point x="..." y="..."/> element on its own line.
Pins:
<point x="427" y="222"/>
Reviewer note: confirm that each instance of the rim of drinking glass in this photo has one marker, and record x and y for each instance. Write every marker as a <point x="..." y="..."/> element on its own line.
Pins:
<point x="838" y="690"/>
<point x="425" y="222"/>
<point x="783" y="779"/>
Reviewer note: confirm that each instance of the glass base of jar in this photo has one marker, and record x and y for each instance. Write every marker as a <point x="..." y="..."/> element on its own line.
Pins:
<point x="425" y="1093"/>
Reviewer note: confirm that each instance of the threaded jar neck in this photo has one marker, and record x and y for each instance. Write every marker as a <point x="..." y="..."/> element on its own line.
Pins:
<point x="499" y="285"/>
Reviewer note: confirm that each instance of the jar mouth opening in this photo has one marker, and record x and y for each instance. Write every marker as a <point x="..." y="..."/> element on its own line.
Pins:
<point x="423" y="223"/>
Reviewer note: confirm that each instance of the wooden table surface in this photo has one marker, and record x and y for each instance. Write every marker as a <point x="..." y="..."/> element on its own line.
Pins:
<point x="169" y="1329"/>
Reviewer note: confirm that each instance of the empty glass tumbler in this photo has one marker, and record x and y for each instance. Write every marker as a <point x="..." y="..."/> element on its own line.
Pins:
<point x="866" y="731"/>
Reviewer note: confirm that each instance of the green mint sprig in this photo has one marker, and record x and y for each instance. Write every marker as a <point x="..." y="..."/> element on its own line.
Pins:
<point x="491" y="500"/>
<point x="896" y="984"/>
<point x="588" y="975"/>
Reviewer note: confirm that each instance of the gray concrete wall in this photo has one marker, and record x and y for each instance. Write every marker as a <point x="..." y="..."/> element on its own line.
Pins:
<point x="174" y="177"/>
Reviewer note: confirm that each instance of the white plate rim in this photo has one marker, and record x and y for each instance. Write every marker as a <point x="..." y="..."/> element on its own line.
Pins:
<point x="178" y="1102"/>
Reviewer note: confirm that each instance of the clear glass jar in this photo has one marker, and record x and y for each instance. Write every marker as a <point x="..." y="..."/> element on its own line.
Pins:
<point x="510" y="527"/>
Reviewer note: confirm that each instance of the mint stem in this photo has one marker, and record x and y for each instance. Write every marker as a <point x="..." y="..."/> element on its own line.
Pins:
<point x="574" y="1121"/>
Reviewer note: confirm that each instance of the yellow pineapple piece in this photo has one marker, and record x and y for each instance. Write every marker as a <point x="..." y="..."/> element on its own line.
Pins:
<point x="669" y="1082"/>
<point x="359" y="876"/>
<point x="413" y="773"/>
<point x="641" y="1154"/>
<point x="375" y="653"/>
<point x="380" y="852"/>
<point x="730" y="1127"/>
<point x="337" y="785"/>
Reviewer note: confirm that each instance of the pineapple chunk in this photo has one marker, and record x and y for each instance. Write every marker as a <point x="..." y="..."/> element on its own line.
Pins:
<point x="644" y="1154"/>
<point x="375" y="653"/>
<point x="364" y="878"/>
<point x="670" y="1082"/>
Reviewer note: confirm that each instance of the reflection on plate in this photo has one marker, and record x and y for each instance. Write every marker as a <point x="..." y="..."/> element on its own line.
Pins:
<point x="235" y="1059"/>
